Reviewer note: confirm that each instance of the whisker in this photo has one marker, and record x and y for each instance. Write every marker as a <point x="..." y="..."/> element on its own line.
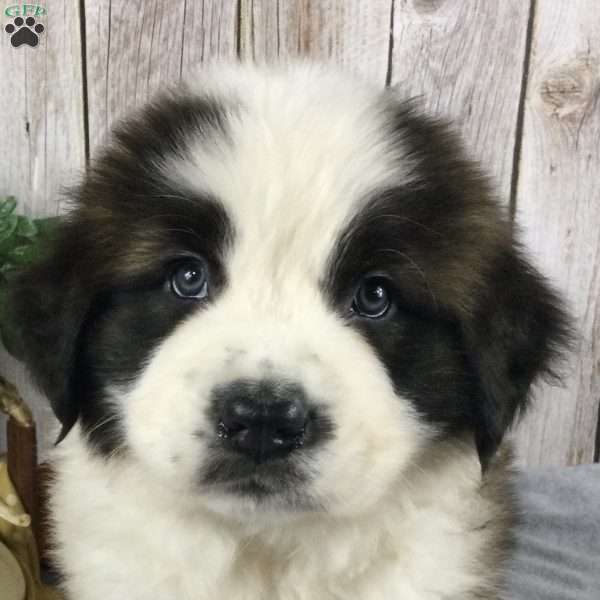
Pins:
<point x="103" y="422"/>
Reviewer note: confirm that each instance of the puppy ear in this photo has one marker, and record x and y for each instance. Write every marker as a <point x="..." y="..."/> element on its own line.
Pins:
<point x="518" y="332"/>
<point x="49" y="308"/>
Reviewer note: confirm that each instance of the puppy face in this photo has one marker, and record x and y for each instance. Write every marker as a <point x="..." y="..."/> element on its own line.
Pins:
<point x="277" y="288"/>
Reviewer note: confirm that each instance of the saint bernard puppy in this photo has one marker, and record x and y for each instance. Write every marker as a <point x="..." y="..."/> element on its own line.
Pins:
<point x="284" y="328"/>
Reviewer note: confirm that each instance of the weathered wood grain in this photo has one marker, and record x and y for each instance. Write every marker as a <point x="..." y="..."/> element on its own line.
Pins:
<point x="350" y="33"/>
<point x="464" y="59"/>
<point x="558" y="206"/>
<point x="42" y="143"/>
<point x="135" y="48"/>
<point x="42" y="146"/>
<point x="210" y="34"/>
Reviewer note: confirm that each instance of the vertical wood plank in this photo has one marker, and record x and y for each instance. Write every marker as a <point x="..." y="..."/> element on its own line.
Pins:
<point x="210" y="34"/>
<point x="350" y="33"/>
<point x="42" y="146"/>
<point x="464" y="58"/>
<point x="558" y="205"/>
<point x="136" y="47"/>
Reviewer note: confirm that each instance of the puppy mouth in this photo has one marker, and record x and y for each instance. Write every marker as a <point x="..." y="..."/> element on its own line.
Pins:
<point x="259" y="450"/>
<point x="256" y="487"/>
<point x="240" y="476"/>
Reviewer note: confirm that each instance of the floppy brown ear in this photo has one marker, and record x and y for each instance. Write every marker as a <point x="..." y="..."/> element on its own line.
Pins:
<point x="517" y="334"/>
<point x="49" y="307"/>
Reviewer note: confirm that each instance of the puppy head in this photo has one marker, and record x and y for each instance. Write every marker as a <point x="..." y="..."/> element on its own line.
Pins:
<point x="276" y="287"/>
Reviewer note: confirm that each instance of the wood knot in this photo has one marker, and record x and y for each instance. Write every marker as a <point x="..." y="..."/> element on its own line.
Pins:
<point x="427" y="6"/>
<point x="569" y="90"/>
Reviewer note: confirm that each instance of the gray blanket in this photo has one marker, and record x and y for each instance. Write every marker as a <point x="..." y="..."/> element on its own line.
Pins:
<point x="558" y="543"/>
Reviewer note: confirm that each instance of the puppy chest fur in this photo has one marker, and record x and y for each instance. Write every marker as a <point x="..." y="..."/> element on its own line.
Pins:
<point x="290" y="327"/>
<point x="442" y="533"/>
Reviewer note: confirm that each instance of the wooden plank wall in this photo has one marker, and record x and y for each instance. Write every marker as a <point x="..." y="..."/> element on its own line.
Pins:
<point x="519" y="78"/>
<point x="558" y="206"/>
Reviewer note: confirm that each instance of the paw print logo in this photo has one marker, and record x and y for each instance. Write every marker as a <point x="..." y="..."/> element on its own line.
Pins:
<point x="24" y="31"/>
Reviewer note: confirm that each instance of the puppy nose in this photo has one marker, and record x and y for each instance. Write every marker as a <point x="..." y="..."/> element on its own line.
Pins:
<point x="263" y="420"/>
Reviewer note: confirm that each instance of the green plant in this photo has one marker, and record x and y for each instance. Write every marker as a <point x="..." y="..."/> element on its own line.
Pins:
<point x="22" y="241"/>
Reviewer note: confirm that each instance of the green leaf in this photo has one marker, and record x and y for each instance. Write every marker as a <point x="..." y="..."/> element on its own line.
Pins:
<point x="7" y="206"/>
<point x="22" y="241"/>
<point x="8" y="226"/>
<point x="24" y="255"/>
<point x="26" y="228"/>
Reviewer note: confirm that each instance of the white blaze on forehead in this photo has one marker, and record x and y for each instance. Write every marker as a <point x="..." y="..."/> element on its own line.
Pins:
<point x="306" y="148"/>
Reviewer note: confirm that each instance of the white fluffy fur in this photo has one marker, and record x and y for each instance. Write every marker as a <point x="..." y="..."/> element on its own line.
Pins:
<point x="123" y="535"/>
<point x="305" y="152"/>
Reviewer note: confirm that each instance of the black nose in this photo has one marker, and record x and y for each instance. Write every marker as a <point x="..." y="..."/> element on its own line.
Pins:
<point x="262" y="419"/>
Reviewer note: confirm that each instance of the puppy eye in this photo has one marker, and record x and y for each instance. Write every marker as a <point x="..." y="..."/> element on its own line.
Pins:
<point x="189" y="279"/>
<point x="372" y="299"/>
